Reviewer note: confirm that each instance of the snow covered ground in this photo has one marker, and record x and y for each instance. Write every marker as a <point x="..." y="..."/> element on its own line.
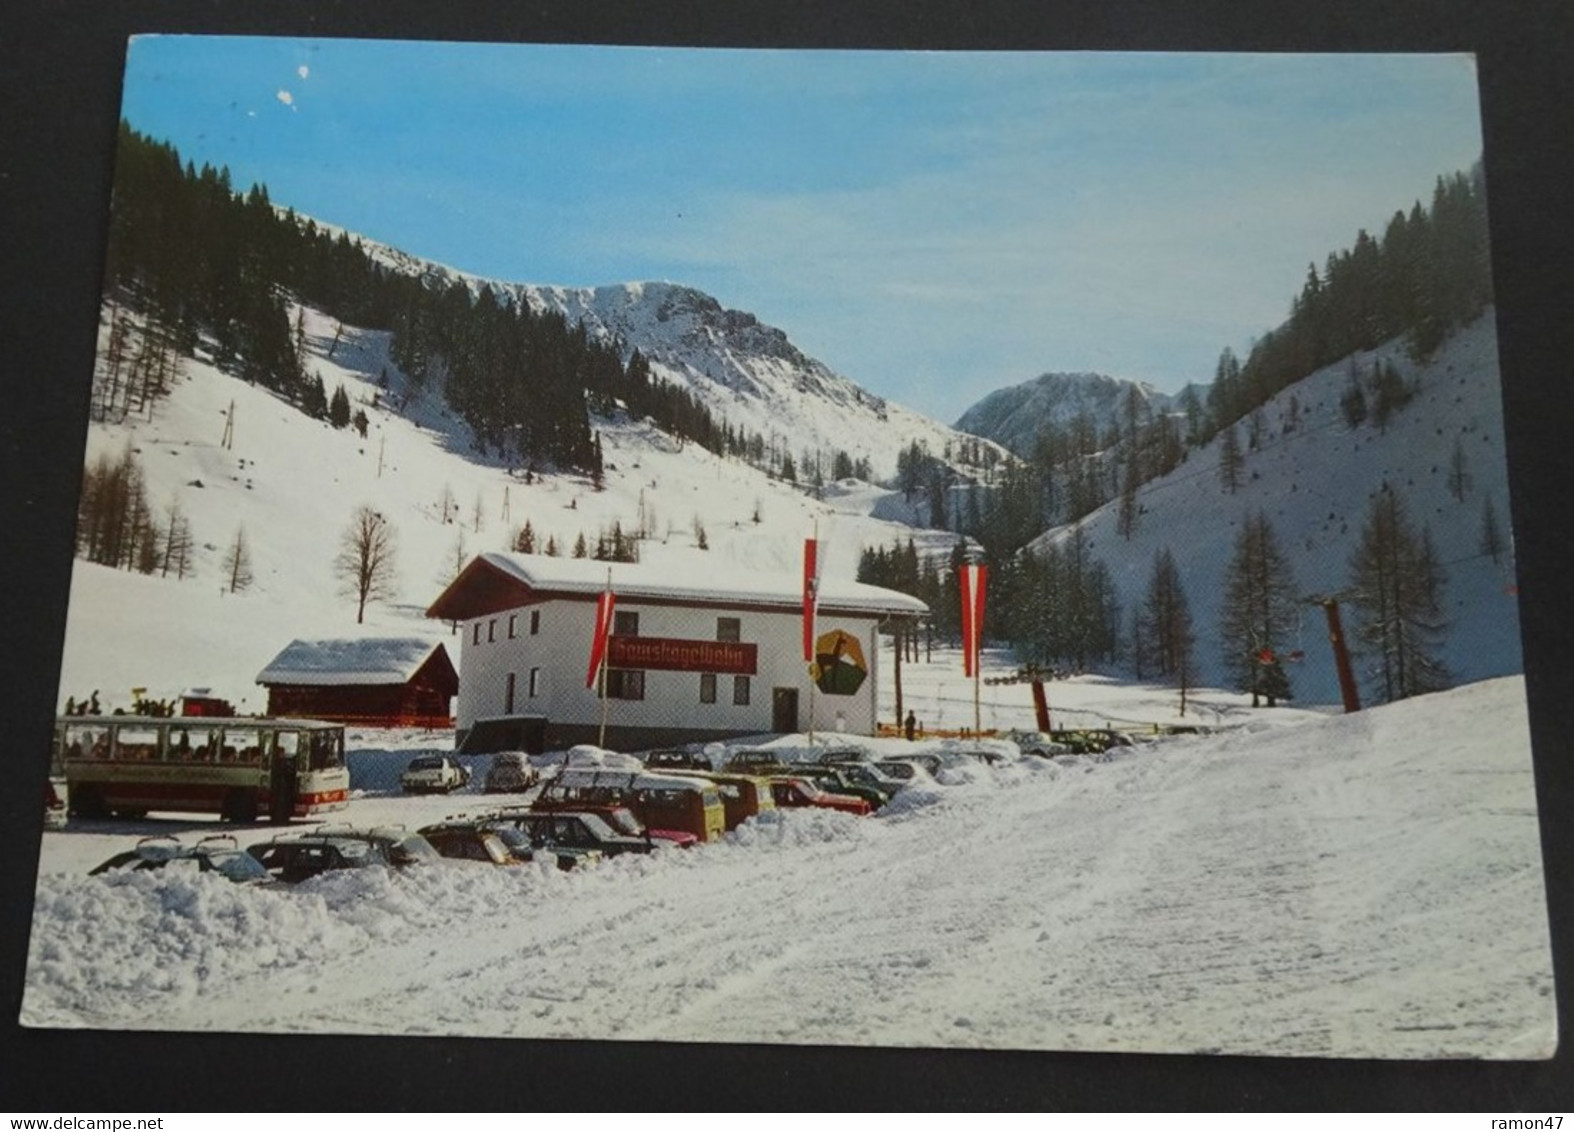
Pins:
<point x="1298" y="883"/>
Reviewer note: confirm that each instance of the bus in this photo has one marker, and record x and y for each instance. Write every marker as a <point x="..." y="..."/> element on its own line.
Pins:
<point x="238" y="768"/>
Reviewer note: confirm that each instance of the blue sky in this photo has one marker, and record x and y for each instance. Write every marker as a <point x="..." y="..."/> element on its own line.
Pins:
<point x="932" y="225"/>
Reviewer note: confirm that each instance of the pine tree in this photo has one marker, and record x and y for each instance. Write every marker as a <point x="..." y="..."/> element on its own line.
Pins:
<point x="1126" y="518"/>
<point x="339" y="408"/>
<point x="237" y="564"/>
<point x="1458" y="472"/>
<point x="1260" y="611"/>
<point x="525" y="540"/>
<point x="177" y="541"/>
<point x="1165" y="620"/>
<point x="1490" y="541"/>
<point x="1395" y="589"/>
<point x="1230" y="459"/>
<point x="580" y="549"/>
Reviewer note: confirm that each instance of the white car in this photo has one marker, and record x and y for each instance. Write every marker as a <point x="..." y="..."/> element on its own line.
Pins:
<point x="433" y="774"/>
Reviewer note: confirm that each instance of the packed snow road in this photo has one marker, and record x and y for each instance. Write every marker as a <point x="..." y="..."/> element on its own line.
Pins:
<point x="1365" y="886"/>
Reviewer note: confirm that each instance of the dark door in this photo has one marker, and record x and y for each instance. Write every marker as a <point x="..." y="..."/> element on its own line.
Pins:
<point x="784" y="709"/>
<point x="282" y="787"/>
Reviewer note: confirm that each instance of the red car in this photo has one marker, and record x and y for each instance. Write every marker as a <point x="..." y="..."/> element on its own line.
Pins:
<point x="789" y="793"/>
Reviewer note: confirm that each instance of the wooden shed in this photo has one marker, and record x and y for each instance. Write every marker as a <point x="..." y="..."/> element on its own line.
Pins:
<point x="374" y="682"/>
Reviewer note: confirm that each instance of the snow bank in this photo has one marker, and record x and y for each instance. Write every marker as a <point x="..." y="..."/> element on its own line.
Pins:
<point x="1361" y="886"/>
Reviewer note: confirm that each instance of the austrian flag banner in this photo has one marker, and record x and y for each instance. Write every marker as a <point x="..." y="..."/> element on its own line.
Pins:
<point x="598" y="642"/>
<point x="973" y="580"/>
<point x="811" y="594"/>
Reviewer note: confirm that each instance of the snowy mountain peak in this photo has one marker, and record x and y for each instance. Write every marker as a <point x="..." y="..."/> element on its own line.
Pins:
<point x="1015" y="416"/>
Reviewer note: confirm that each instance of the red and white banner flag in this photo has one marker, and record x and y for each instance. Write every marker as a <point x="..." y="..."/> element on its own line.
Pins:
<point x="811" y="594"/>
<point x="972" y="580"/>
<point x="598" y="642"/>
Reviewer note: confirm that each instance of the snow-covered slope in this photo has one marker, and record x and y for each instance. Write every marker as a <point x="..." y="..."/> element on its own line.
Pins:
<point x="292" y="484"/>
<point x="1016" y="416"/>
<point x="1361" y="886"/>
<point x="1315" y="484"/>
<point x="746" y="372"/>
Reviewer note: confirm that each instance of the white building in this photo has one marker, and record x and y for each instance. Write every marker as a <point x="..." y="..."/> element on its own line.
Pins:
<point x="692" y="657"/>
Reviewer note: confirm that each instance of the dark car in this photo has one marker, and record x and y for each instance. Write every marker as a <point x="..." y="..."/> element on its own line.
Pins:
<point x="466" y="839"/>
<point x="869" y="777"/>
<point x="755" y="762"/>
<point x="676" y="760"/>
<point x="510" y="773"/>
<point x="218" y="854"/>
<point x="519" y="844"/>
<point x="303" y="855"/>
<point x="836" y="756"/>
<point x="568" y="830"/>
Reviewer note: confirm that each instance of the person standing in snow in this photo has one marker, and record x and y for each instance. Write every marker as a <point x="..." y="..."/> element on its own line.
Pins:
<point x="911" y="726"/>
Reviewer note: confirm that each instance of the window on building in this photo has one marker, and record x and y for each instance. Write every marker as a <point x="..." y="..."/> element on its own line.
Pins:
<point x="728" y="628"/>
<point x="513" y="619"/>
<point x="740" y="690"/>
<point x="508" y="696"/>
<point x="707" y="687"/>
<point x="625" y="623"/>
<point x="491" y="630"/>
<point x="535" y="622"/>
<point x="625" y="684"/>
<point x="535" y="682"/>
<point x="475" y="638"/>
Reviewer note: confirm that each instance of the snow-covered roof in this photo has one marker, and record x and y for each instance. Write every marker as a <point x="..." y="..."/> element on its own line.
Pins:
<point x="367" y="660"/>
<point x="721" y="583"/>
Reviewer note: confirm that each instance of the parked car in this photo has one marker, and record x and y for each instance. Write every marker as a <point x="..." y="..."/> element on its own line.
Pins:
<point x="931" y="763"/>
<point x="219" y="854"/>
<point x="1091" y="740"/>
<point x="517" y="838"/>
<point x="755" y="762"/>
<point x="743" y="796"/>
<point x="465" y="839"/>
<point x="510" y="773"/>
<point x="296" y="857"/>
<point x="1037" y="743"/>
<point x="789" y="793"/>
<point x="434" y="774"/>
<point x="987" y="755"/>
<point x="835" y="756"/>
<point x="560" y="830"/>
<point x="676" y="760"/>
<point x="836" y="780"/>
<point x="566" y="856"/>
<point x="681" y="808"/>
<point x="587" y="756"/>
<point x="870" y="777"/>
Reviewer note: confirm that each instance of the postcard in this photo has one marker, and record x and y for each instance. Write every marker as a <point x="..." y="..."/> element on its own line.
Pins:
<point x="868" y="548"/>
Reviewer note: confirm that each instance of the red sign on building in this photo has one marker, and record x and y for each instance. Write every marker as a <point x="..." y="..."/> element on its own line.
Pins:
<point x="677" y="655"/>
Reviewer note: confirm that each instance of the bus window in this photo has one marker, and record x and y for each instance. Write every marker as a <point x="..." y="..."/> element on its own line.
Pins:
<point x="140" y="743"/>
<point x="241" y="745"/>
<point x="327" y="749"/>
<point x="86" y="741"/>
<point x="288" y="744"/>
<point x="193" y="744"/>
